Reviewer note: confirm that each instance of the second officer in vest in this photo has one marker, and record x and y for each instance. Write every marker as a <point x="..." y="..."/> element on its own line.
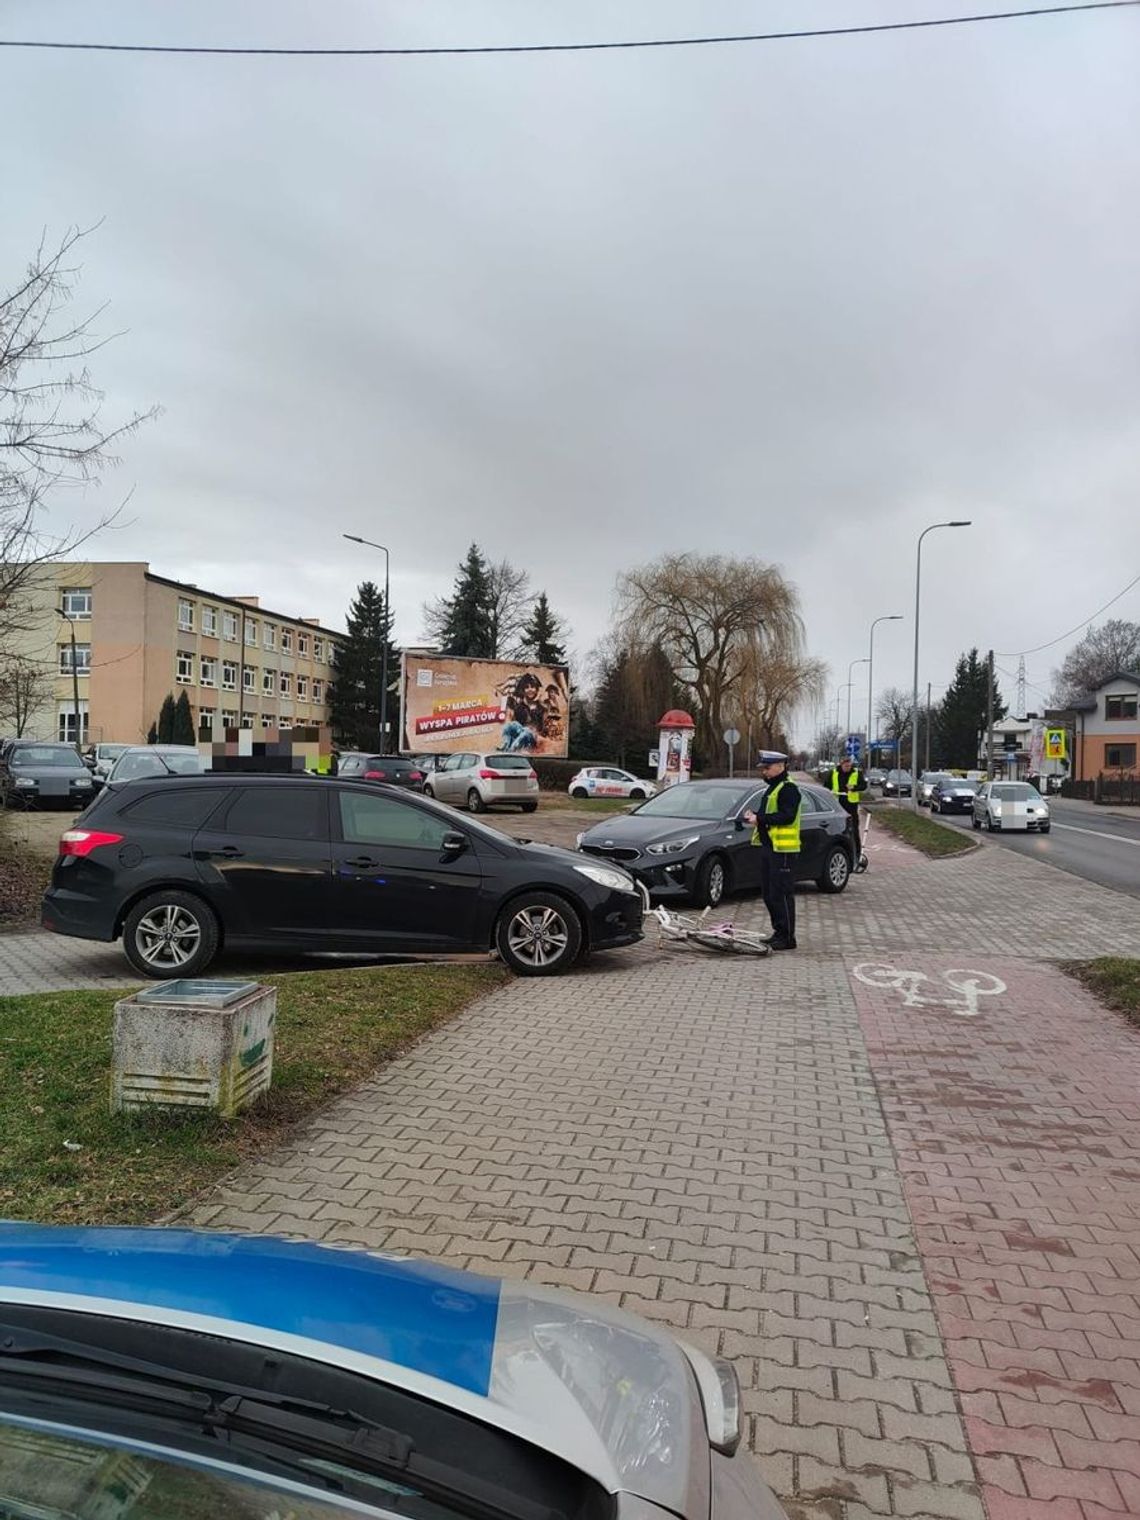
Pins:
<point x="776" y="832"/>
<point x="848" y="783"/>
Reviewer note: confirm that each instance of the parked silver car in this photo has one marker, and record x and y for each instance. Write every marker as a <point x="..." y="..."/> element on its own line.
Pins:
<point x="31" y="772"/>
<point x="144" y="760"/>
<point x="1010" y="805"/>
<point x="481" y="781"/>
<point x="926" y="784"/>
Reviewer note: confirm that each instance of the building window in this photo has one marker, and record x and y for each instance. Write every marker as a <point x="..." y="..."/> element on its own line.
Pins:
<point x="269" y="682"/>
<point x="1120" y="707"/>
<point x="229" y="718"/>
<point x="286" y="641"/>
<point x="209" y="673"/>
<point x="1120" y="757"/>
<point x="66" y="729"/>
<point x="318" y="691"/>
<point x="77" y="601"/>
<point x="185" y="616"/>
<point x="286" y="684"/>
<point x="303" y="645"/>
<point x="286" y="723"/>
<point x="210" y="622"/>
<point x="269" y="636"/>
<point x="247" y="720"/>
<point x="268" y="720"/>
<point x="303" y="688"/>
<point x="248" y="677"/>
<point x="82" y="658"/>
<point x="230" y="627"/>
<point x="229" y="675"/>
<point x="206" y="717"/>
<point x="251" y="630"/>
<point x="184" y="671"/>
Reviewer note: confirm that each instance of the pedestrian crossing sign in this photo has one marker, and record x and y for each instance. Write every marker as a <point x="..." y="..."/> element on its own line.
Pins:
<point x="1056" y="744"/>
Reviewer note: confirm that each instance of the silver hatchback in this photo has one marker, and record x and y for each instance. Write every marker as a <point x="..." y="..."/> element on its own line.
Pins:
<point x="481" y="781"/>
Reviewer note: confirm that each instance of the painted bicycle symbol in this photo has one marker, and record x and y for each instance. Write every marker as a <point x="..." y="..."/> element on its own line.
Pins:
<point x="968" y="985"/>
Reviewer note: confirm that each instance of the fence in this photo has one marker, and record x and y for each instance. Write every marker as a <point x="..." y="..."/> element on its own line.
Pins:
<point x="1115" y="789"/>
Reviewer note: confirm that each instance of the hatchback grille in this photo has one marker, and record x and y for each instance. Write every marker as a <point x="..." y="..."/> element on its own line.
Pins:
<point x="610" y="852"/>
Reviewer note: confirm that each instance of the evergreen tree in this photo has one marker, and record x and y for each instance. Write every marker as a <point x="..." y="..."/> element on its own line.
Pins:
<point x="584" y="742"/>
<point x="166" y="720"/>
<point x="183" y="722"/>
<point x="354" y="693"/>
<point x="634" y="691"/>
<point x="152" y="734"/>
<point x="543" y="635"/>
<point x="961" y="718"/>
<point x="467" y="616"/>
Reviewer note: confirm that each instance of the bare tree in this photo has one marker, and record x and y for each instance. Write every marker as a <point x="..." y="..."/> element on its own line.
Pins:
<point x="51" y="433"/>
<point x="719" y="621"/>
<point x="495" y="604"/>
<point x="774" y="685"/>
<point x="1103" y="651"/>
<point x="510" y="609"/>
<point x="25" y="687"/>
<point x="893" y="711"/>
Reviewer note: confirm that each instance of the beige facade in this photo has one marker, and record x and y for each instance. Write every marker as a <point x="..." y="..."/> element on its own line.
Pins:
<point x="140" y="636"/>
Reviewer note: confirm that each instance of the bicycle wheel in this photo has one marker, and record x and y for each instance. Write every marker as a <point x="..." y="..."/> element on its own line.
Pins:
<point x="733" y="944"/>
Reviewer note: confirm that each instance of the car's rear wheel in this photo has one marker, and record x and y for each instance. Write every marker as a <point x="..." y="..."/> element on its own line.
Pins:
<point x="539" y="935"/>
<point x="711" y="883"/>
<point x="475" y="803"/>
<point x="171" y="934"/>
<point x="530" y="807"/>
<point x="579" y="791"/>
<point x="836" y="870"/>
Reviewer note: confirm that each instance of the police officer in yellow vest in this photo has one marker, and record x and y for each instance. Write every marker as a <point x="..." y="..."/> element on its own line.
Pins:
<point x="776" y="831"/>
<point x="848" y="783"/>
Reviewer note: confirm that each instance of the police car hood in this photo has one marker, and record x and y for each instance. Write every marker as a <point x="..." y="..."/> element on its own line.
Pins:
<point x="612" y="1395"/>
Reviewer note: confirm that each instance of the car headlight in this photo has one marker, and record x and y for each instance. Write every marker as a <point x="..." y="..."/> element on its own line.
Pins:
<point x="673" y="847"/>
<point x="609" y="876"/>
<point x="996" y="806"/>
<point x="82" y="781"/>
<point x="25" y="781"/>
<point x="579" y="838"/>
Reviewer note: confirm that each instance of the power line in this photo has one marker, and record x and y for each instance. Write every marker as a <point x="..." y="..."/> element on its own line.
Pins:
<point x="1013" y="654"/>
<point x="570" y="47"/>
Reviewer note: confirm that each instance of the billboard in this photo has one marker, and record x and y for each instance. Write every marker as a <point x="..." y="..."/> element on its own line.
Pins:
<point x="453" y="704"/>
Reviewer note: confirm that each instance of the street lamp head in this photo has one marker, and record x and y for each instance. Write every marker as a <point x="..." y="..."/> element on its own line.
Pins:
<point x="353" y="538"/>
<point x="965" y="522"/>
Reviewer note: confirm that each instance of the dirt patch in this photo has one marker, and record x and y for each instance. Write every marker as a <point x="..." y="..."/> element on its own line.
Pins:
<point x="28" y="843"/>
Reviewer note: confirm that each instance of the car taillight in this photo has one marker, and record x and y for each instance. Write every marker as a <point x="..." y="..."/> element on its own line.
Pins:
<point x="375" y="775"/>
<point x="488" y="776"/>
<point x="83" y="841"/>
<point x="532" y="775"/>
<point x="415" y="775"/>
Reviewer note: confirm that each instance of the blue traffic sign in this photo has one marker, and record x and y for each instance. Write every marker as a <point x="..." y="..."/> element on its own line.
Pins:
<point x="853" y="746"/>
<point x="891" y="744"/>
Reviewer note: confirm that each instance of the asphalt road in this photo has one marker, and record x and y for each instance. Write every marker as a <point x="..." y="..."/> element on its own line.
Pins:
<point x="1097" y="843"/>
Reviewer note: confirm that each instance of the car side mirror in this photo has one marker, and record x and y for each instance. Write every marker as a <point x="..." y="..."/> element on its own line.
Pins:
<point x="453" y="844"/>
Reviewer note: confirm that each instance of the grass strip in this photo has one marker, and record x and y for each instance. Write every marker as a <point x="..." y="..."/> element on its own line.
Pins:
<point x="334" y="1028"/>
<point x="936" y="840"/>
<point x="1115" y="979"/>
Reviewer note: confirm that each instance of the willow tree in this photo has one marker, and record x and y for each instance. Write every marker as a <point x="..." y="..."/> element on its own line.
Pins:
<point x="723" y="623"/>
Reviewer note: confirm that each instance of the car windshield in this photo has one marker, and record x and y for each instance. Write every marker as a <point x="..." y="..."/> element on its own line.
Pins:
<point x="46" y="754"/>
<point x="1016" y="791"/>
<point x="932" y="778"/>
<point x="697" y="801"/>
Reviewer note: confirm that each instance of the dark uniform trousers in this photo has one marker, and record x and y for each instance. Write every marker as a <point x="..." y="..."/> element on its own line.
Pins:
<point x="778" y="884"/>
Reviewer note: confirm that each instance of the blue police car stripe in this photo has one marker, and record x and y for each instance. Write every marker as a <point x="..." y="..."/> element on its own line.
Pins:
<point x="426" y="1318"/>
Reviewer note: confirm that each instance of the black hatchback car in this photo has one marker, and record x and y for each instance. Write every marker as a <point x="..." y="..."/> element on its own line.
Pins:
<point x="358" y="765"/>
<point x="182" y="866"/>
<point x="692" y="841"/>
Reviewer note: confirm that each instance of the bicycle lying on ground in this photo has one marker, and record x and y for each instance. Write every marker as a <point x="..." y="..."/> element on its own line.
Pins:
<point x="680" y="928"/>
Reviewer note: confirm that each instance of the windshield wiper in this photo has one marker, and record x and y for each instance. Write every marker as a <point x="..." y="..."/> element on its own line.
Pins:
<point x="287" y="1428"/>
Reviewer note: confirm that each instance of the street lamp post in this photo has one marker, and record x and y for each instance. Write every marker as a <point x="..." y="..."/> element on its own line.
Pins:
<point x="355" y="539"/>
<point x="957" y="523"/>
<point x="850" y="684"/>
<point x="888" y="617"/>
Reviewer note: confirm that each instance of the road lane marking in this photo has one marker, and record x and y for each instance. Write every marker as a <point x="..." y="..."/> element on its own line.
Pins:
<point x="1097" y="833"/>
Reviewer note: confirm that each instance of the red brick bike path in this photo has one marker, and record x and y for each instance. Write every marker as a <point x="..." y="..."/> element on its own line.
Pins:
<point x="1017" y="1132"/>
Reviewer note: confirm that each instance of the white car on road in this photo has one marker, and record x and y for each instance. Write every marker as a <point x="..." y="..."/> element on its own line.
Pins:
<point x="1010" y="805"/>
<point x="608" y="781"/>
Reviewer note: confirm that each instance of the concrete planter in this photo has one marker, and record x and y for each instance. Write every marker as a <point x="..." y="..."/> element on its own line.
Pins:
<point x="193" y="1044"/>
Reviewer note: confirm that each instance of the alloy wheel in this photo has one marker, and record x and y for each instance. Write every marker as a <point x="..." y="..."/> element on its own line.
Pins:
<point x="538" y="936"/>
<point x="168" y="937"/>
<point x="837" y="869"/>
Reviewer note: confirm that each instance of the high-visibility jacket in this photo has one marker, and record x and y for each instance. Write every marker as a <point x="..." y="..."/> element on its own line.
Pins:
<point x="853" y="787"/>
<point x="783" y="837"/>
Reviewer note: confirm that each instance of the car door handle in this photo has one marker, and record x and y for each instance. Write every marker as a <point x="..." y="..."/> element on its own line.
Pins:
<point x="227" y="852"/>
<point x="363" y="863"/>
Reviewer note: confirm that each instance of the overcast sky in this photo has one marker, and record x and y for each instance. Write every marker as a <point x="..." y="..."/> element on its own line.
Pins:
<point x="794" y="300"/>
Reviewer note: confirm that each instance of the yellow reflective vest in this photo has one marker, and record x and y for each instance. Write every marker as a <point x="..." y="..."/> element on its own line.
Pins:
<point x="783" y="837"/>
<point x="853" y="786"/>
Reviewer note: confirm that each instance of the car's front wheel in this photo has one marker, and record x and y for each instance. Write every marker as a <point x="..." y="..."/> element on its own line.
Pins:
<point x="836" y="870"/>
<point x="428" y="791"/>
<point x="711" y="883"/>
<point x="539" y="935"/>
<point x="171" y="934"/>
<point x="975" y="822"/>
<point x="637" y="794"/>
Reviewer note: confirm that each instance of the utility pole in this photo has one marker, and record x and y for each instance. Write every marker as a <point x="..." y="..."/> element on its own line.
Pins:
<point x="990" y="715"/>
<point x="926" y="766"/>
<point x="70" y="621"/>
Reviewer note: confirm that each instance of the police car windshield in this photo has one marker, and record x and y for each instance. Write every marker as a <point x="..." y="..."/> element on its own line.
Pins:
<point x="696" y="801"/>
